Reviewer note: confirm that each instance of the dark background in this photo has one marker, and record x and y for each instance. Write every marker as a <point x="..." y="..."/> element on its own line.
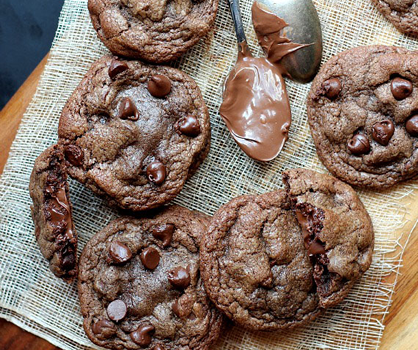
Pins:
<point x="27" y="28"/>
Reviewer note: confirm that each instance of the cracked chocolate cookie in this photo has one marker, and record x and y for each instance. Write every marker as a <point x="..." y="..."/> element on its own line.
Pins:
<point x="254" y="265"/>
<point x="134" y="133"/>
<point x="51" y="213"/>
<point x="337" y="231"/>
<point x="364" y="121"/>
<point x="156" y="31"/>
<point x="403" y="14"/>
<point x="279" y="259"/>
<point x="140" y="287"/>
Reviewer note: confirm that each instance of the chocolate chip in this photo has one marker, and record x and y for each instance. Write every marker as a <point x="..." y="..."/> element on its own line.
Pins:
<point x="164" y="233"/>
<point x="401" y="88"/>
<point x="74" y="154"/>
<point x="359" y="144"/>
<point x="383" y="131"/>
<point x="412" y="125"/>
<point x="143" y="335"/>
<point x="188" y="126"/>
<point x="159" y="85"/>
<point x="316" y="248"/>
<point x="128" y="110"/>
<point x="150" y="258"/>
<point x="332" y="88"/>
<point x="117" y="67"/>
<point x="68" y="262"/>
<point x="156" y="172"/>
<point x="116" y="310"/>
<point x="179" y="278"/>
<point x="119" y="252"/>
<point x="103" y="329"/>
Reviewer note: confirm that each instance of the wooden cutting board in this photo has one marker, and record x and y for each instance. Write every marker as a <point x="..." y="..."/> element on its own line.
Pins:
<point x="401" y="332"/>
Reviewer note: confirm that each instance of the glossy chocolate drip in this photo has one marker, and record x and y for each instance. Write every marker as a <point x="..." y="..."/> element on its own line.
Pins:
<point x="60" y="217"/>
<point x="59" y="209"/>
<point x="309" y="220"/>
<point x="268" y="26"/>
<point x="255" y="104"/>
<point x="256" y="107"/>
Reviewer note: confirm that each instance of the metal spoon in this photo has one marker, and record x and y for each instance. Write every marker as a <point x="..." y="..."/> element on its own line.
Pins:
<point x="304" y="28"/>
<point x="258" y="116"/>
<point x="236" y="17"/>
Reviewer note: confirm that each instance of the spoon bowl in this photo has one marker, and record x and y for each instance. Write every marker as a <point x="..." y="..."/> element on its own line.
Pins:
<point x="304" y="28"/>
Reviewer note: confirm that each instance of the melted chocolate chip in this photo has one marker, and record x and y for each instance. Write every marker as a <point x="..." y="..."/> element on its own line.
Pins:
<point x="143" y="335"/>
<point x="74" y="154"/>
<point x="103" y="329"/>
<point x="188" y="126"/>
<point x="150" y="258"/>
<point x="179" y="277"/>
<point x="159" y="85"/>
<point x="128" y="110"/>
<point x="383" y="131"/>
<point x="119" y="252"/>
<point x="68" y="261"/>
<point x="116" y="310"/>
<point x="401" y="88"/>
<point x="332" y="88"/>
<point x="117" y="67"/>
<point x="156" y="172"/>
<point x="412" y="125"/>
<point x="359" y="144"/>
<point x="164" y="233"/>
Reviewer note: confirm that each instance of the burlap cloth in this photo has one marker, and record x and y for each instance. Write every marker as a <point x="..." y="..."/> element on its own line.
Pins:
<point x="34" y="299"/>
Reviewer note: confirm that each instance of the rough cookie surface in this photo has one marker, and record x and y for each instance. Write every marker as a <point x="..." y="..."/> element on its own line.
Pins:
<point x="403" y="14"/>
<point x="51" y="213"/>
<point x="364" y="121"/>
<point x="140" y="287"/>
<point x="278" y="260"/>
<point x="153" y="30"/>
<point x="134" y="132"/>
<point x="337" y="231"/>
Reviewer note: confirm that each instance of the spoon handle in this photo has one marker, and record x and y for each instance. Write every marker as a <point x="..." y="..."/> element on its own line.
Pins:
<point x="236" y="17"/>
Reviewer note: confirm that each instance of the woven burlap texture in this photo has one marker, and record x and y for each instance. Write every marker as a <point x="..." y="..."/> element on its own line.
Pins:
<point x="33" y="298"/>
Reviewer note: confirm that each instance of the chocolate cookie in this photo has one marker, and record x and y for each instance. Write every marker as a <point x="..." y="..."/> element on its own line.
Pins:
<point x="336" y="228"/>
<point x="364" y="121"/>
<point x="139" y="284"/>
<point x="254" y="265"/>
<point x="134" y="133"/>
<point x="277" y="260"/>
<point x="51" y="213"/>
<point x="153" y="30"/>
<point x="403" y="14"/>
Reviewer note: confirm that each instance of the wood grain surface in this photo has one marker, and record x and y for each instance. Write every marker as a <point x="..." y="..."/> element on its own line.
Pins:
<point x="401" y="323"/>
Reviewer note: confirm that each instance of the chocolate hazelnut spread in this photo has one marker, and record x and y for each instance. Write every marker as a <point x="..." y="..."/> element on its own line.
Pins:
<point x="267" y="27"/>
<point x="255" y="104"/>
